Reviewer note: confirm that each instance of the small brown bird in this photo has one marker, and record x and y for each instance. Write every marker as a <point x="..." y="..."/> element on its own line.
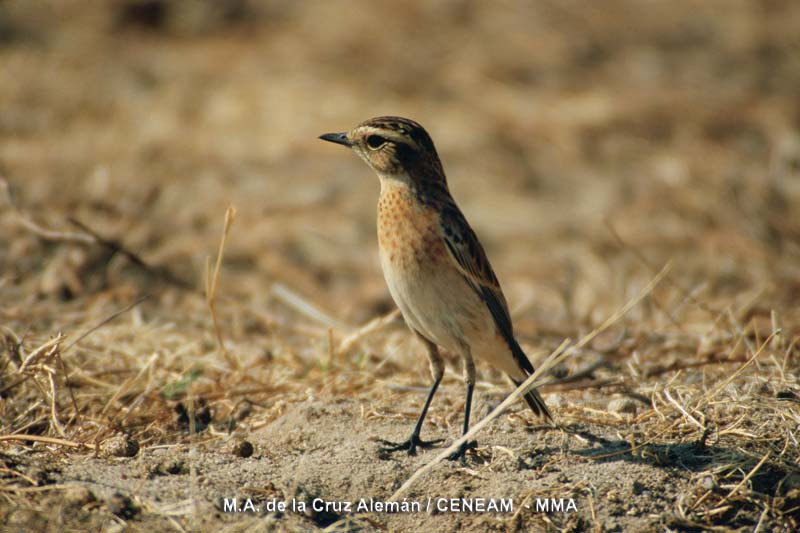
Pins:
<point x="434" y="265"/>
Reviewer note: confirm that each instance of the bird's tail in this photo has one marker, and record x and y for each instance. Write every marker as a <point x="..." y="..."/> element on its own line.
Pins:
<point x="536" y="403"/>
<point x="532" y="397"/>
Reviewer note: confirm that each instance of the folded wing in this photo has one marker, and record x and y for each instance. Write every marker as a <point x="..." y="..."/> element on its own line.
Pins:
<point x="470" y="259"/>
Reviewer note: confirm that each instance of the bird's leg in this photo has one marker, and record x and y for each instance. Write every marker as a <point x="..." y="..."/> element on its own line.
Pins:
<point x="437" y="369"/>
<point x="414" y="441"/>
<point x="469" y="378"/>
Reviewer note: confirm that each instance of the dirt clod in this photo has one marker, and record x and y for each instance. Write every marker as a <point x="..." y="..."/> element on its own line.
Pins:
<point x="122" y="506"/>
<point x="120" y="446"/>
<point x="78" y="496"/>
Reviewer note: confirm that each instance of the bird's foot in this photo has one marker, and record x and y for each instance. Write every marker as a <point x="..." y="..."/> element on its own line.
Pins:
<point x="462" y="450"/>
<point x="410" y="445"/>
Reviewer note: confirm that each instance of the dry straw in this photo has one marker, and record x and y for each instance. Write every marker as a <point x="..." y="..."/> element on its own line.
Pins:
<point x="212" y="282"/>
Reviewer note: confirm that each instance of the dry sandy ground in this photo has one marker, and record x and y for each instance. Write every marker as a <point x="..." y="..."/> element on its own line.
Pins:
<point x="589" y="144"/>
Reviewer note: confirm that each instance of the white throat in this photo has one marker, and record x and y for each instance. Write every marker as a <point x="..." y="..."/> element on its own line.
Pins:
<point x="391" y="182"/>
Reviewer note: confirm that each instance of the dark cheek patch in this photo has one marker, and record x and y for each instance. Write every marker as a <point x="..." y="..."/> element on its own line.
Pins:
<point x="405" y="155"/>
<point x="384" y="161"/>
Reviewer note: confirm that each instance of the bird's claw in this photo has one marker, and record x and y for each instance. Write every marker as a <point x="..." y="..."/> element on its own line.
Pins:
<point x="410" y="445"/>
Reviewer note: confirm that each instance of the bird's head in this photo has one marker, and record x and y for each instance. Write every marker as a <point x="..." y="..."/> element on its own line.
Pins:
<point x="396" y="148"/>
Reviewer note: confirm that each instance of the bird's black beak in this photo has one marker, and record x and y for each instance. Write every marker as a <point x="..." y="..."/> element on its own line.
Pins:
<point x="338" y="138"/>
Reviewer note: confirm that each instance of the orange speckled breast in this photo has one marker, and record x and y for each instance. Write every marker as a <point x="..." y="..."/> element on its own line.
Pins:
<point x="408" y="231"/>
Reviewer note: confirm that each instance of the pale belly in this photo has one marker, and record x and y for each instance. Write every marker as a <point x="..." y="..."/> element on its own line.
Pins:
<point x="445" y="310"/>
<point x="437" y="303"/>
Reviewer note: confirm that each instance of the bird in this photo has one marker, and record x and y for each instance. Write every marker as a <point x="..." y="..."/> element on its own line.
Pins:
<point x="434" y="265"/>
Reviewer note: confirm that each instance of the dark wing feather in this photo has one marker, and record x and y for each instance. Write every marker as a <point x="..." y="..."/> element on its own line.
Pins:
<point x="471" y="261"/>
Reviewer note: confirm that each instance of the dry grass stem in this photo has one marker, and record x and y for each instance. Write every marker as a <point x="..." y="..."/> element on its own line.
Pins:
<point x="303" y="306"/>
<point x="33" y="227"/>
<point x="212" y="282"/>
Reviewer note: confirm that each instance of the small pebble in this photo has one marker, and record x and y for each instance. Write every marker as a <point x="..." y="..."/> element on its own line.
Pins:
<point x="240" y="448"/>
<point x="622" y="405"/>
<point x="120" y="446"/>
<point x="708" y="483"/>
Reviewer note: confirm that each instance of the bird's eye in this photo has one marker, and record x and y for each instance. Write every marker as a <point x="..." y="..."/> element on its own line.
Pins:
<point x="375" y="141"/>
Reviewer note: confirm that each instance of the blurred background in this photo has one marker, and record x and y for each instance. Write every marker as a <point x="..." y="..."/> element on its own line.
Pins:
<point x="588" y="143"/>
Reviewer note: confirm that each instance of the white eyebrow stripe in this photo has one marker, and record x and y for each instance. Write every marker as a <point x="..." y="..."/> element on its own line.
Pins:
<point x="388" y="135"/>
